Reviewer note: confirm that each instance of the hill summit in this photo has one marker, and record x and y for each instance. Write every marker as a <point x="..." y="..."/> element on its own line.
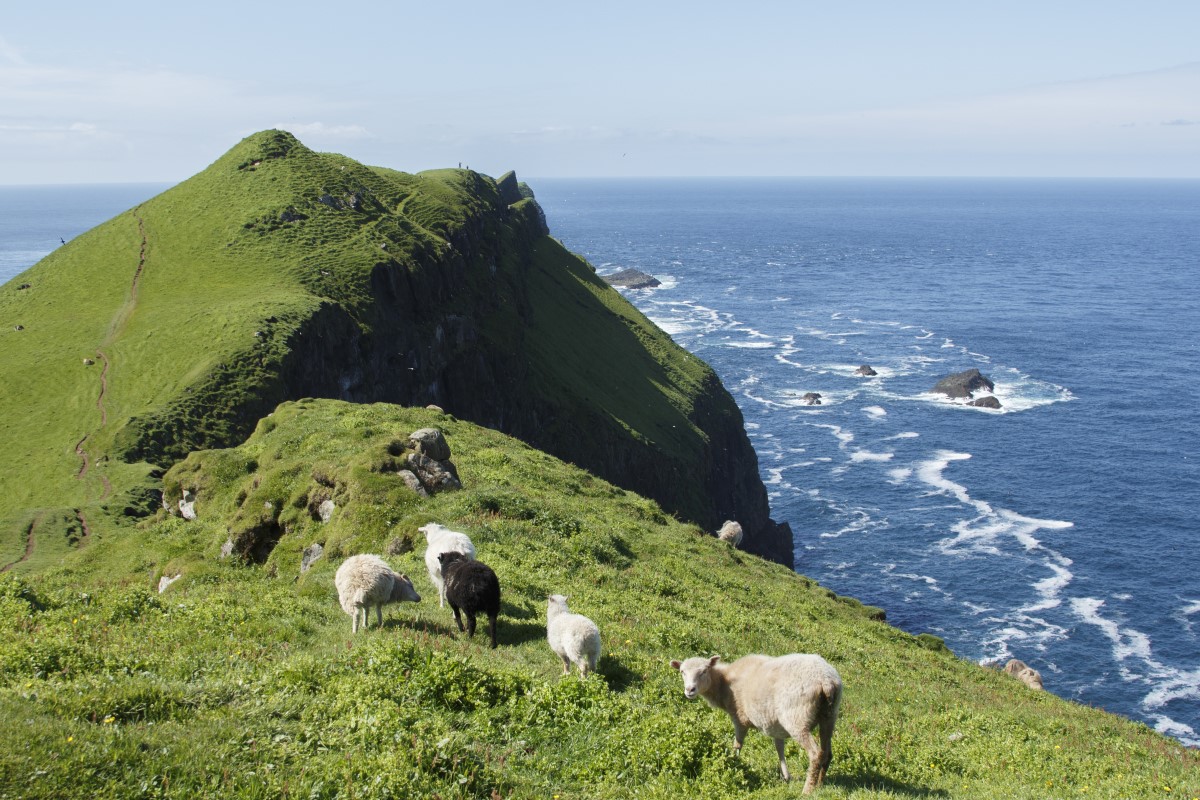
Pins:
<point x="280" y="273"/>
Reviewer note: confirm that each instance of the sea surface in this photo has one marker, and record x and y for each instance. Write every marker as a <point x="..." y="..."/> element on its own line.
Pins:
<point x="1060" y="529"/>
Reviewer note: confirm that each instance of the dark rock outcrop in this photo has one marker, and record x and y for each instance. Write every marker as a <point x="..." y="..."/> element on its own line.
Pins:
<point x="811" y="399"/>
<point x="632" y="279"/>
<point x="963" y="385"/>
<point x="866" y="371"/>
<point x="989" y="401"/>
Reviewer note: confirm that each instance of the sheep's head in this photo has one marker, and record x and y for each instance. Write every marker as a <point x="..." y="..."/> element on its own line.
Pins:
<point x="402" y="589"/>
<point x="557" y="602"/>
<point x="431" y="530"/>
<point x="446" y="559"/>
<point x="697" y="675"/>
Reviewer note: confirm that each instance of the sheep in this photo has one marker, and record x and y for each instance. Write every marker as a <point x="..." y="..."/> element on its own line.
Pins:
<point x="471" y="586"/>
<point x="1024" y="673"/>
<point x="366" y="580"/>
<point x="443" y="540"/>
<point x="730" y="532"/>
<point x="781" y="696"/>
<point x="574" y="637"/>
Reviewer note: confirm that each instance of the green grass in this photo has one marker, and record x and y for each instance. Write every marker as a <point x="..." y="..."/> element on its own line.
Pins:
<point x="244" y="680"/>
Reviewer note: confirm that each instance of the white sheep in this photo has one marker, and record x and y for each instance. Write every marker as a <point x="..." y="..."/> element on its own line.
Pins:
<point x="730" y="532"/>
<point x="574" y="637"/>
<point x="781" y="696"/>
<point x="366" y="580"/>
<point x="443" y="540"/>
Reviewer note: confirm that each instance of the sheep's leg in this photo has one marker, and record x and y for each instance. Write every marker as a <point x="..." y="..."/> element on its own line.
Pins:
<point x="458" y="618"/>
<point x="470" y="624"/>
<point x="781" y="747"/>
<point x="566" y="665"/>
<point x="354" y="622"/>
<point x="492" y="629"/>
<point x="441" y="594"/>
<point x="826" y="749"/>
<point x="739" y="736"/>
<point x="812" y="780"/>
<point x="379" y="616"/>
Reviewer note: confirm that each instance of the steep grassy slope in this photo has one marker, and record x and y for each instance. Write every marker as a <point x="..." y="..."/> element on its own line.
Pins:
<point x="244" y="681"/>
<point x="279" y="273"/>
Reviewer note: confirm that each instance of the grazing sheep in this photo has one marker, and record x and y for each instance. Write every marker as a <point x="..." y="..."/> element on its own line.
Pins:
<point x="574" y="637"/>
<point x="471" y="586"/>
<point x="1024" y="673"/>
<point x="785" y="696"/>
<point x="366" y="580"/>
<point x="730" y="532"/>
<point x="443" y="540"/>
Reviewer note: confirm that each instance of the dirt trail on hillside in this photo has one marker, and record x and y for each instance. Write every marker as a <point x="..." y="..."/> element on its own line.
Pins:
<point x="116" y="326"/>
<point x="29" y="540"/>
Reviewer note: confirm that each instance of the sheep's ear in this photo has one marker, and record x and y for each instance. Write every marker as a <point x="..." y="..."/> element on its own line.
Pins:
<point x="676" y="664"/>
<point x="712" y="661"/>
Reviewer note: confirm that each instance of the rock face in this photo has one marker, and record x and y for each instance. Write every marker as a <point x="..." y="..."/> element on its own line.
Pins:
<point x="963" y="385"/>
<point x="632" y="279"/>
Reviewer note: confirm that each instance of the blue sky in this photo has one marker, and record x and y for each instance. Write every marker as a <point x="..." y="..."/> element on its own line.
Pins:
<point x="140" y="91"/>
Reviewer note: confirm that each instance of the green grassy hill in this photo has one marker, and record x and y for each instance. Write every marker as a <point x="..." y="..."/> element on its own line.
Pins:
<point x="279" y="273"/>
<point x="244" y="681"/>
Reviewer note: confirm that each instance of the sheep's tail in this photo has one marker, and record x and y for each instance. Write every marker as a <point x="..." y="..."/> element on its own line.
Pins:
<point x="829" y="703"/>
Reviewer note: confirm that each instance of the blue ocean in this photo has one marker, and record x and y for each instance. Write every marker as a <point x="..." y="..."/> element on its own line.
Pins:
<point x="1056" y="529"/>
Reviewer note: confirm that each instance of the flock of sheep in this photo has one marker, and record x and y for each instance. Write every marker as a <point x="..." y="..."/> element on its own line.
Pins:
<point x="784" y="697"/>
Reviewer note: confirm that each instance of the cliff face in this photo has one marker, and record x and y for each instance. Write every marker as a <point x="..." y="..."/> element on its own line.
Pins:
<point x="279" y="273"/>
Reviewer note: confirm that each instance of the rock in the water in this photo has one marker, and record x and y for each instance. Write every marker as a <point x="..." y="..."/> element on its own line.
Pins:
<point x="326" y="509"/>
<point x="988" y="401"/>
<point x="811" y="399"/>
<point x="632" y="279"/>
<point x="431" y="442"/>
<point x="866" y="371"/>
<point x="963" y="384"/>
<point x="311" y="553"/>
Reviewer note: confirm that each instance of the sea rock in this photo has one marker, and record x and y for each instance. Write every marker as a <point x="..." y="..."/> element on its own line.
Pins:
<point x="730" y="532"/>
<point x="1024" y="673"/>
<point x="431" y="442"/>
<point x="311" y="553"/>
<point x="866" y="371"/>
<point x="988" y="401"/>
<point x="811" y="398"/>
<point x="632" y="279"/>
<point x="963" y="384"/>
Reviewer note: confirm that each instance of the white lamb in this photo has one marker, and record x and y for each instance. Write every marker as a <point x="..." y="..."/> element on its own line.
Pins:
<point x="443" y="540"/>
<point x="730" y="532"/>
<point x="783" y="696"/>
<point x="574" y="637"/>
<point x="364" y="581"/>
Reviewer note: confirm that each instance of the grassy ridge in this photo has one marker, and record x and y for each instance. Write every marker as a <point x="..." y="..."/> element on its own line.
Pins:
<point x="245" y="681"/>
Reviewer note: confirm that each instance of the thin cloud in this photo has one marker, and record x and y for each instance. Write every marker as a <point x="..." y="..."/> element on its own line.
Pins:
<point x="1181" y="122"/>
<point x="11" y="54"/>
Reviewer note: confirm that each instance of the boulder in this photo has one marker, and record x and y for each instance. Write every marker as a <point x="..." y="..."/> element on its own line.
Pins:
<point x="411" y="480"/>
<point x="166" y="581"/>
<point x="632" y="279"/>
<point x="326" y="509"/>
<point x="431" y="442"/>
<point x="311" y="553"/>
<point x="988" y="401"/>
<point x="435" y="476"/>
<point x="811" y="399"/>
<point x="1024" y="673"/>
<point x="866" y="371"/>
<point x="963" y="384"/>
<point x="187" y="505"/>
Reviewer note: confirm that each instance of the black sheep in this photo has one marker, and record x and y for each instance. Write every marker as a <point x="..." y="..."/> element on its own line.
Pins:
<point x="471" y="586"/>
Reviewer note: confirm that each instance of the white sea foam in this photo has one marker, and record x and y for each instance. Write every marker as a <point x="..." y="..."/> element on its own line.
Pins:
<point x="861" y="456"/>
<point x="905" y="435"/>
<point x="751" y="345"/>
<point x="899" y="475"/>
<point x="875" y="412"/>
